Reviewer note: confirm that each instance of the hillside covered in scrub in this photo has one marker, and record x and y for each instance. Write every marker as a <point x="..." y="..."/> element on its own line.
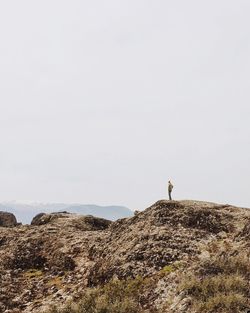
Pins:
<point x="174" y="257"/>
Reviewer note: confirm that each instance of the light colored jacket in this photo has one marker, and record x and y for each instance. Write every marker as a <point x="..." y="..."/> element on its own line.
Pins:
<point x="170" y="187"/>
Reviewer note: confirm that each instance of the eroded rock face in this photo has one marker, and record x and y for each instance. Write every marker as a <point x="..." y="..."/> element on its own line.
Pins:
<point x="7" y="219"/>
<point x="90" y="222"/>
<point x="87" y="222"/>
<point x="245" y="233"/>
<point x="43" y="218"/>
<point x="38" y="219"/>
<point x="60" y="254"/>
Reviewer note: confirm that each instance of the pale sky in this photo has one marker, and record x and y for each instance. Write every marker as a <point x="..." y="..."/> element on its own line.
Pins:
<point x="104" y="101"/>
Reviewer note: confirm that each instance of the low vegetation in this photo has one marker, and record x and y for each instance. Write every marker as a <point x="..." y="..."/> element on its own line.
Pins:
<point x="221" y="284"/>
<point x="117" y="296"/>
<point x="33" y="273"/>
<point x="170" y="269"/>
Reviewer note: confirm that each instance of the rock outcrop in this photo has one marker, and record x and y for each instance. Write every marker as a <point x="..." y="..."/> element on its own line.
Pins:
<point x="87" y="222"/>
<point x="7" y="219"/>
<point x="59" y="255"/>
<point x="38" y="219"/>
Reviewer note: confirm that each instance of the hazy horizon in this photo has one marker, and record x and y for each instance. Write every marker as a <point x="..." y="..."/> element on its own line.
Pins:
<point x="104" y="102"/>
<point x="25" y="213"/>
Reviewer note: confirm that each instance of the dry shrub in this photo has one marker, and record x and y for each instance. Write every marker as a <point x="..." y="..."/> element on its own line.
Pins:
<point x="229" y="303"/>
<point x="226" y="258"/>
<point x="221" y="285"/>
<point x="117" y="296"/>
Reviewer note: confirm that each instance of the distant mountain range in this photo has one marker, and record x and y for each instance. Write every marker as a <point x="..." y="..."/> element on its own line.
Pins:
<point x="25" y="211"/>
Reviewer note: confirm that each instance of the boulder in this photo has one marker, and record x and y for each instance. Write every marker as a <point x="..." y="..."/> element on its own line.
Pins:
<point x="7" y="219"/>
<point x="38" y="219"/>
<point x="89" y="222"/>
<point x="46" y="218"/>
<point x="83" y="223"/>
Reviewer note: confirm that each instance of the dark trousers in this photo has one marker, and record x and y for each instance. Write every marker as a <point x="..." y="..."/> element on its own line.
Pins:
<point x="169" y="195"/>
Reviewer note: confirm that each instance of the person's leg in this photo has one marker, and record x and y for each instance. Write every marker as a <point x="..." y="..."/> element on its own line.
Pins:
<point x="169" y="195"/>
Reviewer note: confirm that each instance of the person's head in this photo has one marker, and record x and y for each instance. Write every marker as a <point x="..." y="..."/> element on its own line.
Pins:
<point x="169" y="182"/>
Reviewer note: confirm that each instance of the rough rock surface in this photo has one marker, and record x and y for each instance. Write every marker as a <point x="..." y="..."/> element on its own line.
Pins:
<point x="7" y="219"/>
<point x="61" y="254"/>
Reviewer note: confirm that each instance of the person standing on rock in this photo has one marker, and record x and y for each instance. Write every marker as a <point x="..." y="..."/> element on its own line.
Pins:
<point x="170" y="188"/>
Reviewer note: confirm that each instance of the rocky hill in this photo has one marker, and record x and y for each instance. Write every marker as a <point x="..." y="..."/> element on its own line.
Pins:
<point x="169" y="246"/>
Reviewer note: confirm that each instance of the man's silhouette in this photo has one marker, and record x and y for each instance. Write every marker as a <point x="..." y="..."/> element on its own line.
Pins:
<point x="170" y="188"/>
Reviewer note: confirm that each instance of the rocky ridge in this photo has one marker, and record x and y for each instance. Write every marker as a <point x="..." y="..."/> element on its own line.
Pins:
<point x="60" y="255"/>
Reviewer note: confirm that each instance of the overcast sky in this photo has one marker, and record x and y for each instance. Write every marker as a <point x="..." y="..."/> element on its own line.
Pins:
<point x="104" y="101"/>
